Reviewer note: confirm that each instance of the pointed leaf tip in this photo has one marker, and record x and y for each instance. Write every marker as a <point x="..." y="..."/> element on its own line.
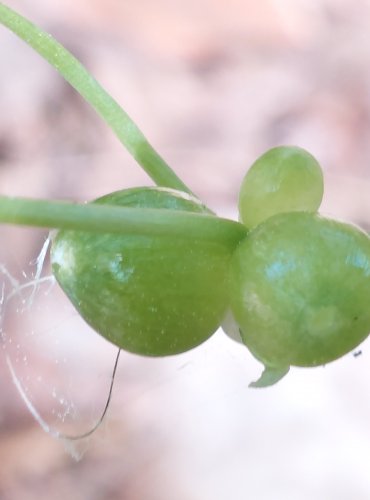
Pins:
<point x="270" y="376"/>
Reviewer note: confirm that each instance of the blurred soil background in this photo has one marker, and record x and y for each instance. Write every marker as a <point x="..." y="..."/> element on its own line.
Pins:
<point x="212" y="84"/>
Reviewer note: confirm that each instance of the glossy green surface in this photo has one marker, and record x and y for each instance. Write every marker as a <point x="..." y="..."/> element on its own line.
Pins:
<point x="300" y="289"/>
<point x="284" y="179"/>
<point x="149" y="295"/>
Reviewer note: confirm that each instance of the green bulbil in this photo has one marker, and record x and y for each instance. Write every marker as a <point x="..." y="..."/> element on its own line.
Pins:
<point x="300" y="288"/>
<point x="151" y="295"/>
<point x="284" y="179"/>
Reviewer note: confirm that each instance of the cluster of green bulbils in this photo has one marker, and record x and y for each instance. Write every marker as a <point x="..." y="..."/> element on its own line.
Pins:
<point x="295" y="291"/>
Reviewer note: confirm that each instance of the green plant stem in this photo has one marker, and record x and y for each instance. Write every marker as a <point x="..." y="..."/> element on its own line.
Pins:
<point x="113" y="219"/>
<point x="78" y="76"/>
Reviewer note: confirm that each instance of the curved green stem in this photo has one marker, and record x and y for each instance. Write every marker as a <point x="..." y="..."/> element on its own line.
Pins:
<point x="113" y="219"/>
<point x="78" y="76"/>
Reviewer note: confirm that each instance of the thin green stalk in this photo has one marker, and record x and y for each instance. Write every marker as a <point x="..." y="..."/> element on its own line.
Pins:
<point x="78" y="76"/>
<point x="113" y="219"/>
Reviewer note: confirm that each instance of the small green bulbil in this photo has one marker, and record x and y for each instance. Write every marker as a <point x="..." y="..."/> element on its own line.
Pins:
<point x="284" y="179"/>
<point x="300" y="288"/>
<point x="148" y="295"/>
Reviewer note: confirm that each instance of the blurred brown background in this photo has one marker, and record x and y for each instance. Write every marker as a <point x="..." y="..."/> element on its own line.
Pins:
<point x="212" y="84"/>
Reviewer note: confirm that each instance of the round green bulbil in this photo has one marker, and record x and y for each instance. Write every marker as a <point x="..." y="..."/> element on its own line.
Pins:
<point x="148" y="295"/>
<point x="284" y="179"/>
<point x="300" y="289"/>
